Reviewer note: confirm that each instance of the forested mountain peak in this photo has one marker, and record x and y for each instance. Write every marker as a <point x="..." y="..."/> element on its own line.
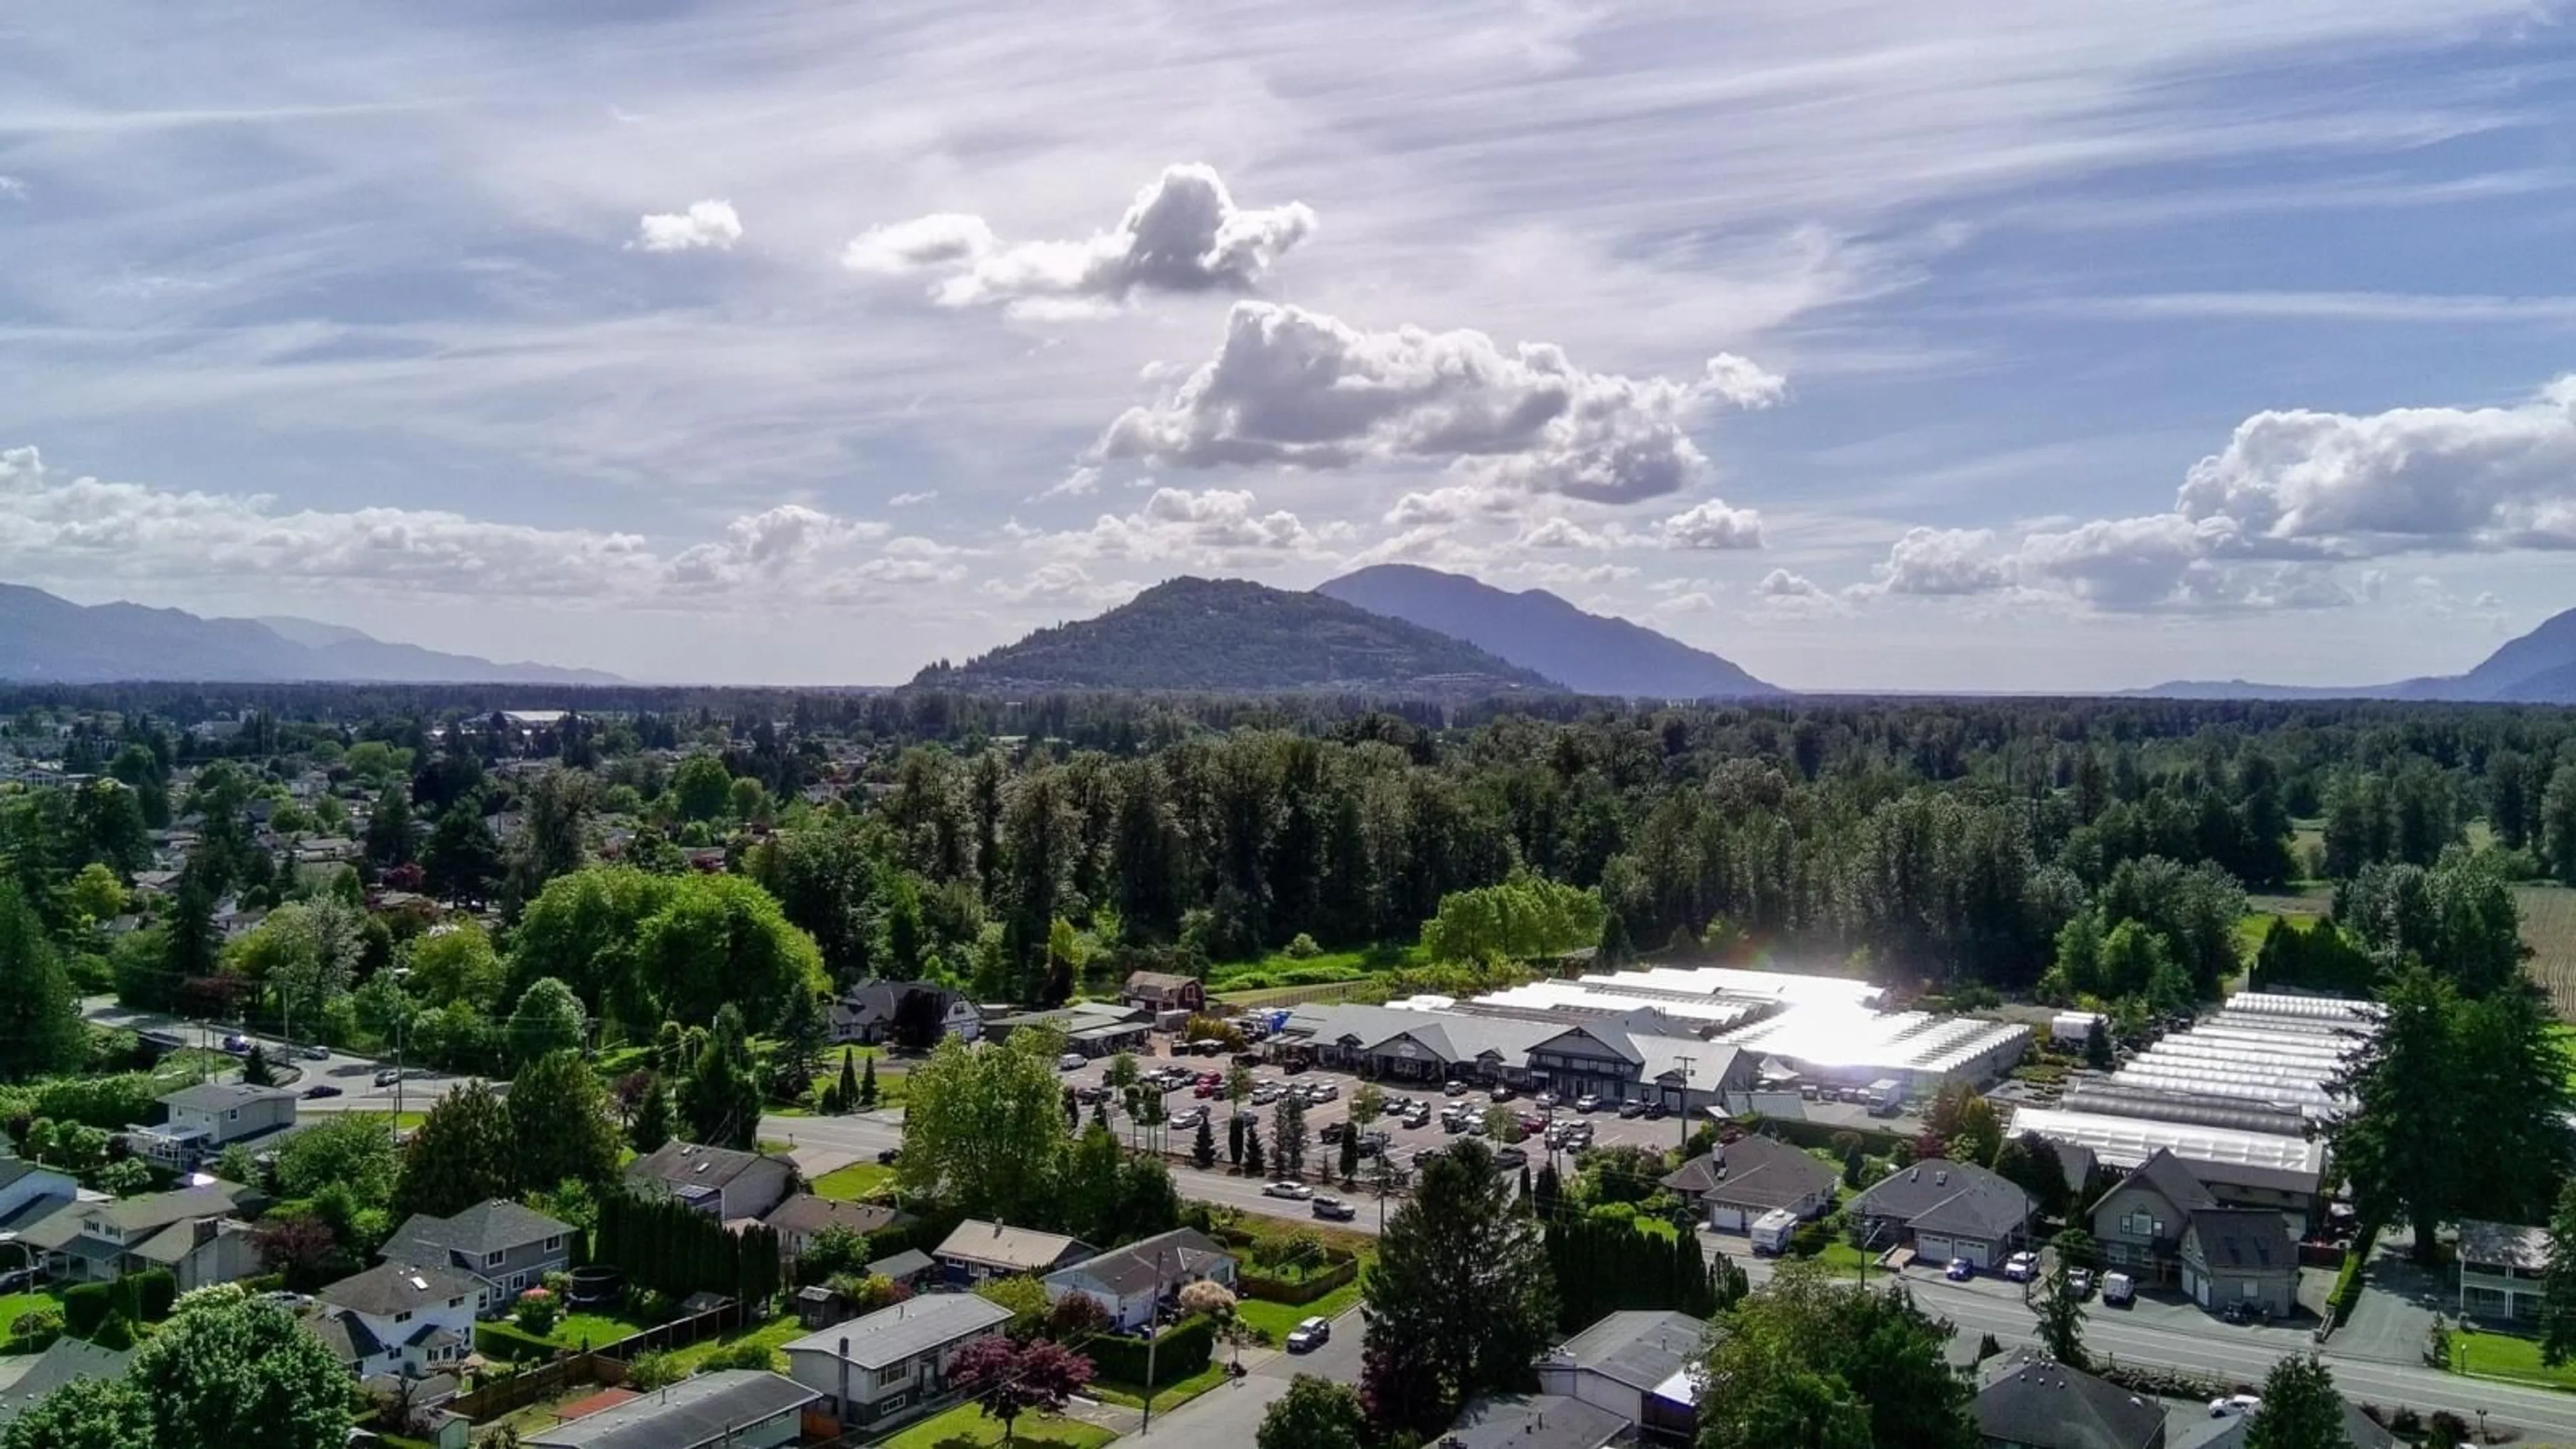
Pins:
<point x="1232" y="634"/>
<point x="1588" y="653"/>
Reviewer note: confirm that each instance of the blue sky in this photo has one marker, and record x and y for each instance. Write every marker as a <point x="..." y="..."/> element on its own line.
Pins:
<point x="2015" y="344"/>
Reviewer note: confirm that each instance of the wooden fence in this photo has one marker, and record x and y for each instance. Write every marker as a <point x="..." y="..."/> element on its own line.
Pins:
<point x="508" y="1395"/>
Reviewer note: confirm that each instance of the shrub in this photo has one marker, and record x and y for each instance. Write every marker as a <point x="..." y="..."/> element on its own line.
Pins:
<point x="652" y="1371"/>
<point x="2447" y="1428"/>
<point x="507" y="1341"/>
<point x="537" y="1312"/>
<point x="1183" y="1350"/>
<point x="85" y="1307"/>
<point x="1303" y="948"/>
<point x="155" y="1289"/>
<point x="749" y="1354"/>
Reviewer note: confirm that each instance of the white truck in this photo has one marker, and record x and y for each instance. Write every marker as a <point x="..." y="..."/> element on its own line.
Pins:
<point x="2118" y="1289"/>
<point x="1772" y="1232"/>
<point x="1886" y="1097"/>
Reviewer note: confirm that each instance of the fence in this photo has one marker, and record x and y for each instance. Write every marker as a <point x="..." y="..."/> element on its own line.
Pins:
<point x="508" y="1395"/>
<point x="1265" y="997"/>
<point x="678" y="1333"/>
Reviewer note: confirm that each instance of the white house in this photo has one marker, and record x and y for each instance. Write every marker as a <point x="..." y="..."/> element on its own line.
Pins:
<point x="1128" y="1282"/>
<point x="28" y="1192"/>
<point x="209" y="1117"/>
<point x="195" y="1232"/>
<point x="877" y="1370"/>
<point x="399" y="1318"/>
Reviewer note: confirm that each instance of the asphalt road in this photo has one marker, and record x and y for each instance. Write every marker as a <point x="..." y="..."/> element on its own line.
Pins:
<point x="355" y="1076"/>
<point x="1231" y="1412"/>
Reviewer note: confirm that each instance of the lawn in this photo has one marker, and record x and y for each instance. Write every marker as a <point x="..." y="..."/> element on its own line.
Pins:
<point x="1275" y="1319"/>
<point x="1170" y="1396"/>
<point x="2502" y="1356"/>
<point x="776" y="1333"/>
<point x="855" y="1182"/>
<point x="965" y="1427"/>
<point x="15" y="1304"/>
<point x="598" y="1330"/>
<point x="1280" y="969"/>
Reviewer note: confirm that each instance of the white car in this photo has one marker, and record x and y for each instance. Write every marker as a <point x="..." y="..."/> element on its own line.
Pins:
<point x="1309" y="1335"/>
<point x="1070" y="1062"/>
<point x="1296" y="1190"/>
<point x="1587" y="1103"/>
<point x="2234" y="1404"/>
<point x="2021" y="1267"/>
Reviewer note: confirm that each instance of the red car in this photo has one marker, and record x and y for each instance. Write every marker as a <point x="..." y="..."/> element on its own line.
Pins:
<point x="1533" y="1122"/>
<point x="1204" y="1090"/>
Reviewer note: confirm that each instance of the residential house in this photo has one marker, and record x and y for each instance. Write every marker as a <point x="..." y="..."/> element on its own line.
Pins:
<point x="1162" y="991"/>
<point x="867" y="1013"/>
<point x="399" y="1318"/>
<point x="29" y="1192"/>
<point x="1945" y="1210"/>
<point x="800" y="1217"/>
<point x="1736" y="1182"/>
<point x="2501" y="1267"/>
<point x="875" y="1371"/>
<point x="505" y="1248"/>
<point x="2360" y="1431"/>
<point x="24" y="1381"/>
<point x="2139" y="1223"/>
<point x="731" y="1408"/>
<point x="978" y="1250"/>
<point x="1130" y="1283"/>
<point x="2036" y="1403"/>
<point x="721" y="1181"/>
<point x="207" y="1118"/>
<point x="1635" y="1364"/>
<point x="2240" y="1255"/>
<point x="1532" y="1421"/>
<point x="197" y="1233"/>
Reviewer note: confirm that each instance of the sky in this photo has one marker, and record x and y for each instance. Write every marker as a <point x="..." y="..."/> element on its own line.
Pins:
<point x="2000" y="345"/>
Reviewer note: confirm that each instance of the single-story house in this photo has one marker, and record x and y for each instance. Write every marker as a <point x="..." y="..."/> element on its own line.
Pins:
<point x="2501" y="1267"/>
<point x="1129" y="1283"/>
<point x="1092" y="1028"/>
<point x="721" y="1181"/>
<point x="2139" y="1223"/>
<point x="197" y="1233"/>
<point x="875" y="1371"/>
<point x="1161" y="991"/>
<point x="2036" y="1403"/>
<point x="207" y="1118"/>
<point x="398" y="1318"/>
<point x="732" y="1408"/>
<point x="978" y="1250"/>
<point x="800" y="1217"/>
<point x="1532" y="1421"/>
<point x="504" y="1247"/>
<point x="2240" y="1255"/>
<point x="1737" y="1182"/>
<point x="1635" y="1364"/>
<point x="867" y="1013"/>
<point x="68" y="1360"/>
<point x="1945" y="1210"/>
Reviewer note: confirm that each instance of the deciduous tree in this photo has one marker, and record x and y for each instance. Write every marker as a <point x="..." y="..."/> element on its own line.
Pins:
<point x="984" y="1127"/>
<point x="1007" y="1379"/>
<point x="1315" y="1413"/>
<point x="561" y="1125"/>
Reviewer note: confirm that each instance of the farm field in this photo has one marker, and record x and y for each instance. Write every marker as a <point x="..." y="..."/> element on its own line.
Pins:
<point x="2549" y="929"/>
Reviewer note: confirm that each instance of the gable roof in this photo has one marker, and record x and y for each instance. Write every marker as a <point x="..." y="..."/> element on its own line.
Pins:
<point x="806" y="1213"/>
<point x="2503" y="1245"/>
<point x="1641" y="1348"/>
<point x="67" y="1361"/>
<point x="494" y="1225"/>
<point x="2240" y="1239"/>
<point x="1162" y="982"/>
<point x="678" y="1164"/>
<point x="2174" y="1181"/>
<point x="994" y="1245"/>
<point x="875" y="1002"/>
<point x="1958" y="1198"/>
<point x="706" y="1409"/>
<point x="1754" y="1172"/>
<point x="14" y="1168"/>
<point x="345" y="1334"/>
<point x="1171" y="1258"/>
<point x="2359" y="1429"/>
<point x="135" y="1216"/>
<point x="910" y="1263"/>
<point x="390" y="1288"/>
<point x="1532" y="1421"/>
<point x="916" y="1325"/>
<point x="2050" y="1406"/>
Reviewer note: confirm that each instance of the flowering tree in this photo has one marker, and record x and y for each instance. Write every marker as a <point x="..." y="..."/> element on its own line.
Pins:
<point x="1009" y="1379"/>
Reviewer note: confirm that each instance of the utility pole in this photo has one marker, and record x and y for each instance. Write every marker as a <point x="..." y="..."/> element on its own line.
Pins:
<point x="401" y="1019"/>
<point x="1685" y="1113"/>
<point x="1153" y="1339"/>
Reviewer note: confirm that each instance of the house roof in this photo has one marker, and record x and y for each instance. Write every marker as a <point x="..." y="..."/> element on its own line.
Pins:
<point x="707" y="1409"/>
<point x="910" y="1263"/>
<point x="1958" y="1198"/>
<point x="171" y="1246"/>
<point x="2247" y="1239"/>
<point x="871" y="1003"/>
<point x="1158" y="981"/>
<point x="2502" y="1245"/>
<point x="2047" y="1405"/>
<point x="806" y="1213"/>
<point x="914" y="1326"/>
<point x="1532" y="1421"/>
<point x="494" y="1225"/>
<point x="2359" y="1430"/>
<point x="1170" y="1258"/>
<point x="222" y="1096"/>
<point x="345" y="1334"/>
<point x="2174" y="1181"/>
<point x="1752" y="1172"/>
<point x="994" y="1245"/>
<point x="1642" y="1348"/>
<point x="390" y="1288"/>
<point x="14" y="1168"/>
<point x="67" y="1361"/>
<point x="686" y="1164"/>
<point x="137" y="1215"/>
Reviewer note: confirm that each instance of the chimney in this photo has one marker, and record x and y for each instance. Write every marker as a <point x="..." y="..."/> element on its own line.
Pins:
<point x="841" y="1405"/>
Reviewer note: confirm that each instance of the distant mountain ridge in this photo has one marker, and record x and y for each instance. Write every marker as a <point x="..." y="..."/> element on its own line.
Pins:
<point x="2537" y="668"/>
<point x="1587" y="653"/>
<point x="51" y="640"/>
<point x="1236" y="636"/>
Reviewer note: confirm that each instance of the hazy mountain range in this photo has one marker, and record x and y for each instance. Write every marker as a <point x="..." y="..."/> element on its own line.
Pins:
<point x="2538" y="668"/>
<point x="45" y="639"/>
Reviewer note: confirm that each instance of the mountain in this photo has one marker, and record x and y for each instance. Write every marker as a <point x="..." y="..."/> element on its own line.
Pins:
<point x="1587" y="653"/>
<point x="45" y="639"/>
<point x="1232" y="635"/>
<point x="2538" y="668"/>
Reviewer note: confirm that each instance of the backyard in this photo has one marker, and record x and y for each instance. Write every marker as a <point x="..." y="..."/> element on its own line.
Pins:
<point x="855" y="1182"/>
<point x="965" y="1427"/>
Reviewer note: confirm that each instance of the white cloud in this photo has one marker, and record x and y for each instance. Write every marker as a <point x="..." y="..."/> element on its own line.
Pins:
<point x="1455" y="503"/>
<point x="1062" y="584"/>
<point x="711" y="225"/>
<point x="12" y="189"/>
<point x="1080" y="483"/>
<point x="1562" y="533"/>
<point x="1290" y="386"/>
<point x="1678" y="605"/>
<point x="1183" y="233"/>
<point x="1782" y="584"/>
<point x="1714" y="525"/>
<point x="907" y="500"/>
<point x="1206" y="529"/>
<point x="1943" y="561"/>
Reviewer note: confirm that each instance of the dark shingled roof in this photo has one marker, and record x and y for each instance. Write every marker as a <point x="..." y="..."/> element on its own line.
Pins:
<point x="490" y="1226"/>
<point x="1639" y="1347"/>
<point x="706" y="1409"/>
<point x="1172" y="1258"/>
<point x="2050" y="1406"/>
<point x="1533" y="1421"/>
<point x="2175" y="1182"/>
<point x="67" y="1361"/>
<point x="390" y="1288"/>
<point x="1948" y="1197"/>
<point x="2240" y="1238"/>
<point x="1752" y="1171"/>
<point x="806" y="1213"/>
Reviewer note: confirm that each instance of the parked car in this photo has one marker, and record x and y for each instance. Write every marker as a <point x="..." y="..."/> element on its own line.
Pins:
<point x="1453" y="1089"/>
<point x="1189" y="1121"/>
<point x="1309" y="1335"/>
<point x="1587" y="1103"/>
<point x="1631" y="1109"/>
<point x="1510" y="1157"/>
<point x="2021" y="1267"/>
<point x="1419" y="1117"/>
<point x="1545" y="1100"/>
<point x="1322" y="1091"/>
<point x="322" y="1089"/>
<point x="1070" y="1062"/>
<point x="17" y="1280"/>
<point x="315" y="1053"/>
<point x="1532" y="1122"/>
<point x="1960" y="1270"/>
<point x="1335" y="1210"/>
<point x="1657" y="1111"/>
<point x="237" y="1044"/>
<point x="1295" y="1191"/>
<point x="1450" y="1122"/>
<point x="2234" y="1404"/>
<point x="1500" y="1094"/>
<point x="1205" y="1090"/>
<point x="1332" y="1132"/>
<point x="2119" y="1290"/>
<point x="2079" y="1281"/>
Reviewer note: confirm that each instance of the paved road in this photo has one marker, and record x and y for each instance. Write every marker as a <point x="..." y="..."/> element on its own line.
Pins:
<point x="355" y="1076"/>
<point x="1231" y="1412"/>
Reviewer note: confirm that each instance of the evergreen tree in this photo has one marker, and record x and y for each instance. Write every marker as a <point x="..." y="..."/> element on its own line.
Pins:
<point x="41" y="1033"/>
<point x="256" y="1072"/>
<point x="1234" y="1141"/>
<point x="2060" y="1313"/>
<point x="561" y="1126"/>
<point x="1349" y="1164"/>
<point x="867" y="1098"/>
<point x="2558" y="1285"/>
<point x="651" y="1126"/>
<point x="2301" y="1409"/>
<point x="850" y="1077"/>
<point x="1461" y="1299"/>
<point x="459" y="1155"/>
<point x="720" y="1098"/>
<point x="1203" y="1148"/>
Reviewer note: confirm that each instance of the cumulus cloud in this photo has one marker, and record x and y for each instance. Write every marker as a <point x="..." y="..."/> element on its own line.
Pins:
<point x="1064" y="584"/>
<point x="1714" y="525"/>
<point x="1456" y="503"/>
<point x="1290" y="386"/>
<point x="1677" y="605"/>
<point x="907" y="500"/>
<point x="707" y="225"/>
<point x="1943" y="561"/>
<point x="1782" y="584"/>
<point x="1209" y="528"/>
<point x="1183" y="233"/>
<point x="1564" y="533"/>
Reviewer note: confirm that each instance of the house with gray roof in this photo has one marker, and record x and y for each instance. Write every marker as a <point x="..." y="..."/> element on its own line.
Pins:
<point x="2240" y="1256"/>
<point x="2037" y="1403"/>
<point x="1636" y="1365"/>
<point x="732" y="1408"/>
<point x="1945" y="1210"/>
<point x="2359" y="1430"/>
<point x="209" y="1117"/>
<point x="25" y="1380"/>
<point x="876" y="1371"/>
<point x="399" y="1318"/>
<point x="801" y="1217"/>
<point x="198" y="1233"/>
<point x="1736" y="1182"/>
<point x="2139" y="1223"/>
<point x="1130" y="1283"/>
<point x="2502" y="1267"/>
<point x="504" y="1247"/>
<point x="29" y="1192"/>
<point x="1532" y="1421"/>
<point x="978" y="1250"/>
<point x="723" y="1182"/>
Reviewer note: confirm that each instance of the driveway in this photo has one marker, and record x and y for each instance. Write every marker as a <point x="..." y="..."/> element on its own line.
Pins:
<point x="2398" y="1303"/>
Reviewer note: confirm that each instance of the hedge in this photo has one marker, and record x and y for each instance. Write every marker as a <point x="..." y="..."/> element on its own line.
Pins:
<point x="86" y="1306"/>
<point x="2347" y="1288"/>
<point x="156" y="1291"/>
<point x="1183" y="1350"/>
<point x="1801" y="1132"/>
<point x="1257" y="1284"/>
<point x="509" y="1341"/>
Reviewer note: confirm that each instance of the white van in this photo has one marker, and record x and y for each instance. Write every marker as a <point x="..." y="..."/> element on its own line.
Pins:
<point x="1773" y="1230"/>
<point x="2118" y="1289"/>
<point x="1070" y="1062"/>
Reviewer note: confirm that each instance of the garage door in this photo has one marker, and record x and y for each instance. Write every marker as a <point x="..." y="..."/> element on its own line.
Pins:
<point x="1726" y="1219"/>
<point x="1936" y="1248"/>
